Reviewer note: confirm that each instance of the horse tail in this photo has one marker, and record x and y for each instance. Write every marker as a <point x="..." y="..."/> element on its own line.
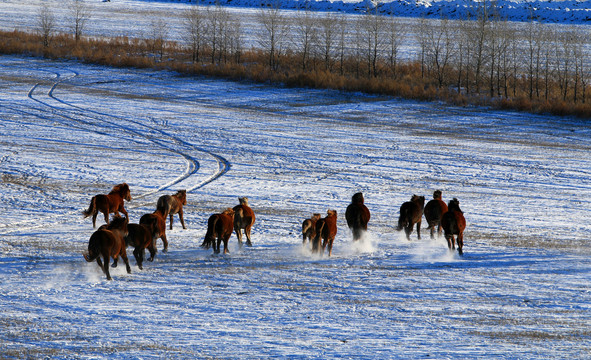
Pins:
<point x="91" y="209"/>
<point x="163" y="206"/>
<point x="316" y="242"/>
<point x="209" y="236"/>
<point x="402" y="220"/>
<point x="93" y="249"/>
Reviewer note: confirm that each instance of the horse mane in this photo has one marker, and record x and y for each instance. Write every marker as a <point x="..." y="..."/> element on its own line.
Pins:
<point x="437" y="194"/>
<point x="117" y="189"/>
<point x="243" y="201"/>
<point x="454" y="205"/>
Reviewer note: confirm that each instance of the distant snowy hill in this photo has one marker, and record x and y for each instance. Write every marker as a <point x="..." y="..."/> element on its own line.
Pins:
<point x="575" y="12"/>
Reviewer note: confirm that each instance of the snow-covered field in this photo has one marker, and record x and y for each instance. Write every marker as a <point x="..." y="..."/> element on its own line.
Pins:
<point x="70" y="131"/>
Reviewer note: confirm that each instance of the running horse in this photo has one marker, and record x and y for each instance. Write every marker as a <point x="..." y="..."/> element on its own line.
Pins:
<point x="357" y="216"/>
<point x="111" y="203"/>
<point x="326" y="229"/>
<point x="434" y="211"/>
<point x="219" y="228"/>
<point x="454" y="223"/>
<point x="309" y="228"/>
<point x="411" y="212"/>
<point x="108" y="242"/>
<point x="243" y="219"/>
<point x="173" y="204"/>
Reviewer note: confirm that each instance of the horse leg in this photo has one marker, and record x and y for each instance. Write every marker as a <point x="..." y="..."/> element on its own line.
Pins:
<point x="152" y="250"/>
<point x="226" y="250"/>
<point x="106" y="213"/>
<point x="247" y="233"/>
<point x="100" y="263"/>
<point x="137" y="253"/>
<point x="171" y="217"/>
<point x="460" y="240"/>
<point x="126" y="260"/>
<point x="419" y="229"/>
<point x="165" y="242"/>
<point x="330" y="246"/>
<point x="408" y="230"/>
<point x="94" y="219"/>
<point x="449" y="240"/>
<point x="216" y="244"/>
<point x="114" y="265"/>
<point x="106" y="267"/>
<point x="182" y="219"/>
<point x="238" y="235"/>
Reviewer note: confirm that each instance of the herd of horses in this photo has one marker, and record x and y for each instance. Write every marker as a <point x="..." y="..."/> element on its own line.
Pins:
<point x="112" y="239"/>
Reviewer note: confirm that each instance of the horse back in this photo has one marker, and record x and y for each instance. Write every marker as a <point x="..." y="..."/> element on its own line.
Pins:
<point x="224" y="225"/>
<point x="330" y="227"/>
<point x="243" y="215"/>
<point x="434" y="210"/>
<point x="104" y="242"/>
<point x="453" y="222"/>
<point x="357" y="215"/>
<point x="138" y="235"/>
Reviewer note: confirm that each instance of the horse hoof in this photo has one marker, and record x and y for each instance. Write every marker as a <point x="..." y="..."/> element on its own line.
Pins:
<point x="150" y="260"/>
<point x="140" y="267"/>
<point x="165" y="250"/>
<point x="249" y="243"/>
<point x="113" y="265"/>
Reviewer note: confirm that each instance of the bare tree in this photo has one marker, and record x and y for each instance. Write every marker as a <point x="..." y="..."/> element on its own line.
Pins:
<point x="327" y="38"/>
<point x="158" y="35"/>
<point x="372" y="28"/>
<point x="306" y="33"/>
<point x="440" y="49"/>
<point x="46" y="24"/>
<point x="275" y="27"/>
<point x="395" y="32"/>
<point x="194" y="24"/>
<point x="235" y="38"/>
<point x="80" y="14"/>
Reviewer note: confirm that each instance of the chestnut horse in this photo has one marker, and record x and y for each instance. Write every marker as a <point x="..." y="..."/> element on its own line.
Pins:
<point x="111" y="203"/>
<point x="173" y="204"/>
<point x="156" y="222"/>
<point x="327" y="230"/>
<point x="108" y="241"/>
<point x="309" y="228"/>
<point x="454" y="223"/>
<point x="243" y="219"/>
<point x="357" y="215"/>
<point x="434" y="210"/>
<point x="411" y="212"/>
<point x="219" y="227"/>
<point x="140" y="237"/>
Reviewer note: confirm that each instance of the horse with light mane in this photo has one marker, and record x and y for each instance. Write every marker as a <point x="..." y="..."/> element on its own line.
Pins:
<point x="173" y="204"/>
<point x="309" y="228"/>
<point x="326" y="229"/>
<point x="243" y="219"/>
<point x="110" y="203"/>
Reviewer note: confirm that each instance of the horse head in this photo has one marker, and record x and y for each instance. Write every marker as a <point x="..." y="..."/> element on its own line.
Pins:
<point x="243" y="201"/>
<point x="454" y="205"/>
<point x="182" y="196"/>
<point x="437" y="194"/>
<point x="357" y="198"/>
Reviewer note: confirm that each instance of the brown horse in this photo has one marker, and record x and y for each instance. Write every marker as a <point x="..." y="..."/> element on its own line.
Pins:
<point x="411" y="212"/>
<point x="357" y="215"/>
<point x="243" y="219"/>
<point x="454" y="223"/>
<point x="327" y="230"/>
<point x="111" y="203"/>
<point x="309" y="228"/>
<point x="219" y="227"/>
<point x="108" y="241"/>
<point x="156" y="222"/>
<point x="434" y="210"/>
<point x="173" y="204"/>
<point x="140" y="237"/>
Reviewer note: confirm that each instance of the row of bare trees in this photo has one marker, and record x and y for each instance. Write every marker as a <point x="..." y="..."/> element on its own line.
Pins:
<point x="482" y="56"/>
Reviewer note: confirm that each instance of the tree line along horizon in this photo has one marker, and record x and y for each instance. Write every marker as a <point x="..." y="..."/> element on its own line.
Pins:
<point x="480" y="60"/>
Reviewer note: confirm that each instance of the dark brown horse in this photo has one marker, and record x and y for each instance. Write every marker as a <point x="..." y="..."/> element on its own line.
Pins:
<point x="309" y="228"/>
<point x="140" y="237"/>
<point x="108" y="242"/>
<point x="454" y="223"/>
<point x="434" y="210"/>
<point x="411" y="212"/>
<point x="111" y="203"/>
<point x="243" y="219"/>
<point x="357" y="215"/>
<point x="327" y="230"/>
<point x="173" y="204"/>
<point x="219" y="228"/>
<point x="156" y="222"/>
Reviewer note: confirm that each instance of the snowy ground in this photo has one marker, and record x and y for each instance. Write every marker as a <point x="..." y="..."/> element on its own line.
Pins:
<point x="70" y="131"/>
